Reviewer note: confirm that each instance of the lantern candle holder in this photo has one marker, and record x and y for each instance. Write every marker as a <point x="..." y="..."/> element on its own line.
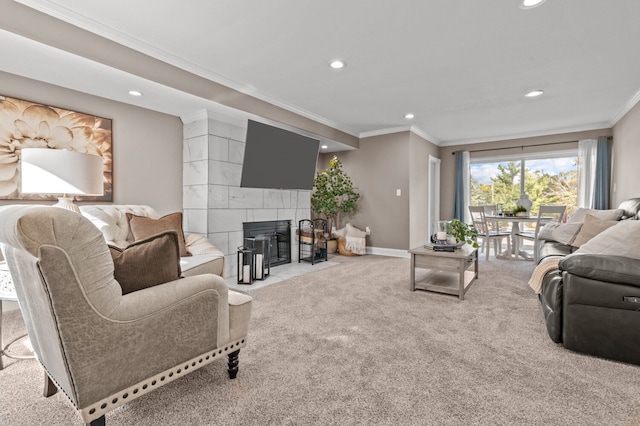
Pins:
<point x="246" y="265"/>
<point x="261" y="246"/>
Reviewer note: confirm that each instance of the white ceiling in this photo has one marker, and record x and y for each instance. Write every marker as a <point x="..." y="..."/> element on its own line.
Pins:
<point x="462" y="67"/>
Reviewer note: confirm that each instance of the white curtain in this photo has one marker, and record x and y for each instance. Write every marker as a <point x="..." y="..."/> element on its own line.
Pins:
<point x="587" y="154"/>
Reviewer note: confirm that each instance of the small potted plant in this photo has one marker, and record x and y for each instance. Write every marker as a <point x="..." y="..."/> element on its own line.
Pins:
<point x="520" y="211"/>
<point x="463" y="232"/>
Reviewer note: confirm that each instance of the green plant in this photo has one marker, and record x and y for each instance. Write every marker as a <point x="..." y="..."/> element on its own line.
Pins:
<point x="463" y="232"/>
<point x="519" y="209"/>
<point x="333" y="193"/>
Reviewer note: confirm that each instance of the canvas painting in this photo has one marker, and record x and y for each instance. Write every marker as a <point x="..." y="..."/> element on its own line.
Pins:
<point x="25" y="124"/>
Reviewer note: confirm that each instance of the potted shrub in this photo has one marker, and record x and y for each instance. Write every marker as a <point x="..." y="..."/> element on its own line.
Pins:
<point x="333" y="194"/>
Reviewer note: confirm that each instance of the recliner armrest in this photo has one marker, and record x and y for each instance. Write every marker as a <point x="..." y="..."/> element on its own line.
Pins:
<point x="607" y="268"/>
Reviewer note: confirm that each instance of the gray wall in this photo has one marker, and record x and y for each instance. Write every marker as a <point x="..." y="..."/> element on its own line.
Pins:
<point x="147" y="145"/>
<point x="420" y="149"/>
<point x="626" y="153"/>
<point x="382" y="165"/>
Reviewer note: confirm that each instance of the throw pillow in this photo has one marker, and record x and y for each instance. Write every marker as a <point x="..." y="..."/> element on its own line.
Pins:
<point x="620" y="240"/>
<point x="566" y="232"/>
<point x="143" y="227"/>
<point x="148" y="262"/>
<point x="546" y="232"/>
<point x="591" y="227"/>
<point x="611" y="214"/>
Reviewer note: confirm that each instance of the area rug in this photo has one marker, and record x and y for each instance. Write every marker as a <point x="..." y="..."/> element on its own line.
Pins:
<point x="351" y="345"/>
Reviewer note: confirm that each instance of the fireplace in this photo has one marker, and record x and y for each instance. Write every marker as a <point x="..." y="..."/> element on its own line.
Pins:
<point x="279" y="234"/>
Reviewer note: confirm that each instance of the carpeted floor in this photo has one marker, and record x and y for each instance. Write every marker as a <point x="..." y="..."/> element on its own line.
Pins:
<point x="350" y="345"/>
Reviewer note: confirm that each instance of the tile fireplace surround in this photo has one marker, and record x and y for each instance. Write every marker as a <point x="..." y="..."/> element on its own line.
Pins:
<point x="214" y="204"/>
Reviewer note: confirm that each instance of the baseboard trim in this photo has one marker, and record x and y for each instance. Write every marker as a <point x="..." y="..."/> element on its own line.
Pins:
<point x="388" y="252"/>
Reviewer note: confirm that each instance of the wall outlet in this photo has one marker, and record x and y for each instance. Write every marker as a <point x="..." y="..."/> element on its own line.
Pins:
<point x="398" y="192"/>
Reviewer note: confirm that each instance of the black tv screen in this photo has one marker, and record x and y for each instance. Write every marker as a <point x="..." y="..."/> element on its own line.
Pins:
<point x="278" y="159"/>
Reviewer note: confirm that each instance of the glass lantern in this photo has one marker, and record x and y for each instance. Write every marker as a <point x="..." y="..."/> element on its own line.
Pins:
<point x="440" y="231"/>
<point x="261" y="245"/>
<point x="246" y="265"/>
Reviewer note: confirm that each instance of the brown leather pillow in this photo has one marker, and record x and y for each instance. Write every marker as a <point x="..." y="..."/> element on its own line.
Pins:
<point x="143" y="227"/>
<point x="148" y="262"/>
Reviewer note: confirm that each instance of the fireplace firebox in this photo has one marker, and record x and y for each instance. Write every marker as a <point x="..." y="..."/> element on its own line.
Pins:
<point x="278" y="232"/>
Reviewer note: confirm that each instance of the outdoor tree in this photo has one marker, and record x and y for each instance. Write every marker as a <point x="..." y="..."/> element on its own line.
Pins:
<point x="333" y="193"/>
<point x="542" y="187"/>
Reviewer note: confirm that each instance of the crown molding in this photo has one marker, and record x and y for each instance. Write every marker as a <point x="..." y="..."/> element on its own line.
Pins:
<point x="424" y="135"/>
<point x="387" y="131"/>
<point x="583" y="128"/>
<point x="627" y="107"/>
<point x="399" y="129"/>
<point x="194" y="116"/>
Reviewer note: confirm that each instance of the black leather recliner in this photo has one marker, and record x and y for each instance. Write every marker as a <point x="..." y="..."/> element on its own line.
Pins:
<point x="591" y="304"/>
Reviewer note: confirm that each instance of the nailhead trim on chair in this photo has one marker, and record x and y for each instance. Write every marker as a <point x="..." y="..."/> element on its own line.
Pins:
<point x="99" y="408"/>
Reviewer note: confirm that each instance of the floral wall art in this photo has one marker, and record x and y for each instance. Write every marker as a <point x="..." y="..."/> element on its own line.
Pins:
<point x="25" y="124"/>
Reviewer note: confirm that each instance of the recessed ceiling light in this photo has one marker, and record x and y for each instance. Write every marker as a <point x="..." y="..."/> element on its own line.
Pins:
<point x="530" y="4"/>
<point x="409" y="116"/>
<point x="534" y="93"/>
<point x="337" y="64"/>
<point x="324" y="147"/>
<point x="135" y="93"/>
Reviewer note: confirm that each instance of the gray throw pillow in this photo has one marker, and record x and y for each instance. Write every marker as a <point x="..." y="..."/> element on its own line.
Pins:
<point x="563" y="233"/>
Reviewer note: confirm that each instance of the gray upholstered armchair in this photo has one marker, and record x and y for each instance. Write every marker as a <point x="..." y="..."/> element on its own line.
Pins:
<point x="100" y="347"/>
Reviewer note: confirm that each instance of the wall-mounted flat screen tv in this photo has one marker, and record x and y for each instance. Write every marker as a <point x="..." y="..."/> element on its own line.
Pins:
<point x="277" y="158"/>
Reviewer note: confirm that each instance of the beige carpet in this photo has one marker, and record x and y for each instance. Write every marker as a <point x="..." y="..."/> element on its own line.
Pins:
<point x="350" y="345"/>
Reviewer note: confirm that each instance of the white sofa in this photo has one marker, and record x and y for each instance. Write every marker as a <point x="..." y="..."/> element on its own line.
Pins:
<point x="112" y="221"/>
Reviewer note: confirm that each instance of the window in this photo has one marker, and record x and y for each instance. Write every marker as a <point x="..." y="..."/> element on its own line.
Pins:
<point x="549" y="178"/>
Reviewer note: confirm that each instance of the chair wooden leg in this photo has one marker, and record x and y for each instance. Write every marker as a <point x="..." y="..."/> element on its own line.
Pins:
<point x="233" y="364"/>
<point x="50" y="388"/>
<point x="100" y="421"/>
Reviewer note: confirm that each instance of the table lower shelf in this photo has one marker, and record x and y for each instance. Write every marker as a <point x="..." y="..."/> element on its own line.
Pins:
<point x="443" y="281"/>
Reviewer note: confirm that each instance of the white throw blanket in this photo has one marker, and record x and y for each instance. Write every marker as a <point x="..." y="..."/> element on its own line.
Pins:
<point x="547" y="264"/>
<point x="357" y="245"/>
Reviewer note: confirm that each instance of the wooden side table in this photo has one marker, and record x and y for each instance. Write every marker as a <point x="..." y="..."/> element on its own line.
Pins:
<point x="7" y="293"/>
<point x="446" y="272"/>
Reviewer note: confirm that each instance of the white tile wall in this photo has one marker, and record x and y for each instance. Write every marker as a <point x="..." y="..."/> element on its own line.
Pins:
<point x="218" y="197"/>
<point x="194" y="196"/>
<point x="214" y="203"/>
<point x="246" y="198"/>
<point x="194" y="148"/>
<point x="218" y="148"/>
<point x="195" y="220"/>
